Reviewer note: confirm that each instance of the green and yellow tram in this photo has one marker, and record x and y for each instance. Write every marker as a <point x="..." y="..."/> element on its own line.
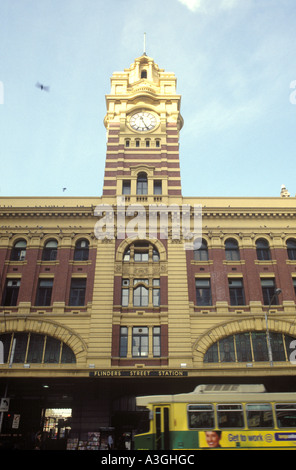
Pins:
<point x="218" y="416"/>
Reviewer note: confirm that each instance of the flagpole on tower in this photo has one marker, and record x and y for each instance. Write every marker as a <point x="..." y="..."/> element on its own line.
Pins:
<point x="144" y="43"/>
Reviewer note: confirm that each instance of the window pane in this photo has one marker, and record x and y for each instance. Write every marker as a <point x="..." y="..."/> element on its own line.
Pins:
<point x="243" y="347"/>
<point x="124" y="297"/>
<point x="212" y="354"/>
<point x="44" y="292"/>
<point x="81" y="252"/>
<point x="226" y="347"/>
<point x="291" y="247"/>
<point x="277" y="347"/>
<point x="18" y="252"/>
<point x="68" y="357"/>
<point x="77" y="292"/>
<point x="260" y="346"/>
<point x="156" y="341"/>
<point x="259" y="416"/>
<point x="141" y="296"/>
<point x="50" y="251"/>
<point x="35" y="348"/>
<point x="6" y="341"/>
<point x="286" y="415"/>
<point x="18" y="355"/>
<point x="156" y="297"/>
<point x="52" y="350"/>
<point x="236" y="292"/>
<point x="140" y="342"/>
<point x="203" y="292"/>
<point x="230" y="416"/>
<point x="200" y="416"/>
<point x="11" y="292"/>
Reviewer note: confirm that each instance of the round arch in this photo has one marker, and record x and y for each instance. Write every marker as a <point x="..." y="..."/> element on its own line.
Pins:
<point x="223" y="330"/>
<point x="49" y="328"/>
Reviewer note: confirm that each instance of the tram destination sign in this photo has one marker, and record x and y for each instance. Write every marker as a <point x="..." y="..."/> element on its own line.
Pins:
<point x="138" y="373"/>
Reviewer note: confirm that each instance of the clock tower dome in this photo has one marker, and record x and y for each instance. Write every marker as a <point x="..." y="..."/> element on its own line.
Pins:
<point x="143" y="122"/>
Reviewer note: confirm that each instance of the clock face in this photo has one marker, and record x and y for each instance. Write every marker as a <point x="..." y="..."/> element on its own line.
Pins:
<point x="143" y="121"/>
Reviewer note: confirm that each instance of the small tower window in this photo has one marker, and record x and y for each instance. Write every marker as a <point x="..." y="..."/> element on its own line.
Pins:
<point x="157" y="187"/>
<point x="126" y="187"/>
<point x="157" y="143"/>
<point x="147" y="143"/>
<point x="137" y="142"/>
<point x="127" y="142"/>
<point x="144" y="74"/>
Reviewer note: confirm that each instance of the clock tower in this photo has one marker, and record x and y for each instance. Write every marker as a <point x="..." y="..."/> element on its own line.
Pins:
<point x="143" y="122"/>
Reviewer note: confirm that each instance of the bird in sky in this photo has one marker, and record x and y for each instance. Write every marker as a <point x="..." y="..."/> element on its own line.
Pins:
<point x="42" y="87"/>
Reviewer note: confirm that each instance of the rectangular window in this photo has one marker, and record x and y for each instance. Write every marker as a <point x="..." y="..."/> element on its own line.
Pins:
<point x="141" y="256"/>
<point x="294" y="285"/>
<point x="125" y="292"/>
<point x="203" y="292"/>
<point x="157" y="187"/>
<point x="123" y="341"/>
<point x="77" y="292"/>
<point x="126" y="187"/>
<point x="230" y="416"/>
<point x="236" y="292"/>
<point x="286" y="415"/>
<point x="200" y="416"/>
<point x="259" y="415"/>
<point x="268" y="289"/>
<point x="156" y="341"/>
<point x="156" y="292"/>
<point x="44" y="292"/>
<point x="140" y="342"/>
<point x="11" y="292"/>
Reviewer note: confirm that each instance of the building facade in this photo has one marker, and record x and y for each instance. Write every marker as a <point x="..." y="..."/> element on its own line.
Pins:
<point x="106" y="298"/>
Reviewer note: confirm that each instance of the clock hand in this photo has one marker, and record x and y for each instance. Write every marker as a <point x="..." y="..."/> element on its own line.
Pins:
<point x="144" y="122"/>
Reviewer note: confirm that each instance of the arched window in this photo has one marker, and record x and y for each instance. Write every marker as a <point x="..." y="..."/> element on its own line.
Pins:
<point x="250" y="347"/>
<point x="18" y="252"/>
<point x="142" y="184"/>
<point x="33" y="348"/>
<point x="262" y="248"/>
<point x="81" y="250"/>
<point x="202" y="253"/>
<point x="50" y="250"/>
<point x="291" y="248"/>
<point x="232" y="250"/>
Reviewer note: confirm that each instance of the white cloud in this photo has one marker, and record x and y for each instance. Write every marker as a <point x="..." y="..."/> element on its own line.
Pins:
<point x="193" y="5"/>
<point x="209" y="5"/>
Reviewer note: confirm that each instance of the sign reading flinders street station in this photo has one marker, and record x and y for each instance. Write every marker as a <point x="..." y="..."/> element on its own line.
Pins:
<point x="138" y="373"/>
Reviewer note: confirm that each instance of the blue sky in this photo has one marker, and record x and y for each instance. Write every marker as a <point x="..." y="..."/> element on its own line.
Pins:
<point x="234" y="61"/>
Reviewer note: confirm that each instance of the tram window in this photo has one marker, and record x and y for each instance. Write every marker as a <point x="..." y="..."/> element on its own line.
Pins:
<point x="230" y="416"/>
<point x="259" y="415"/>
<point x="286" y="415"/>
<point x="200" y="416"/>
